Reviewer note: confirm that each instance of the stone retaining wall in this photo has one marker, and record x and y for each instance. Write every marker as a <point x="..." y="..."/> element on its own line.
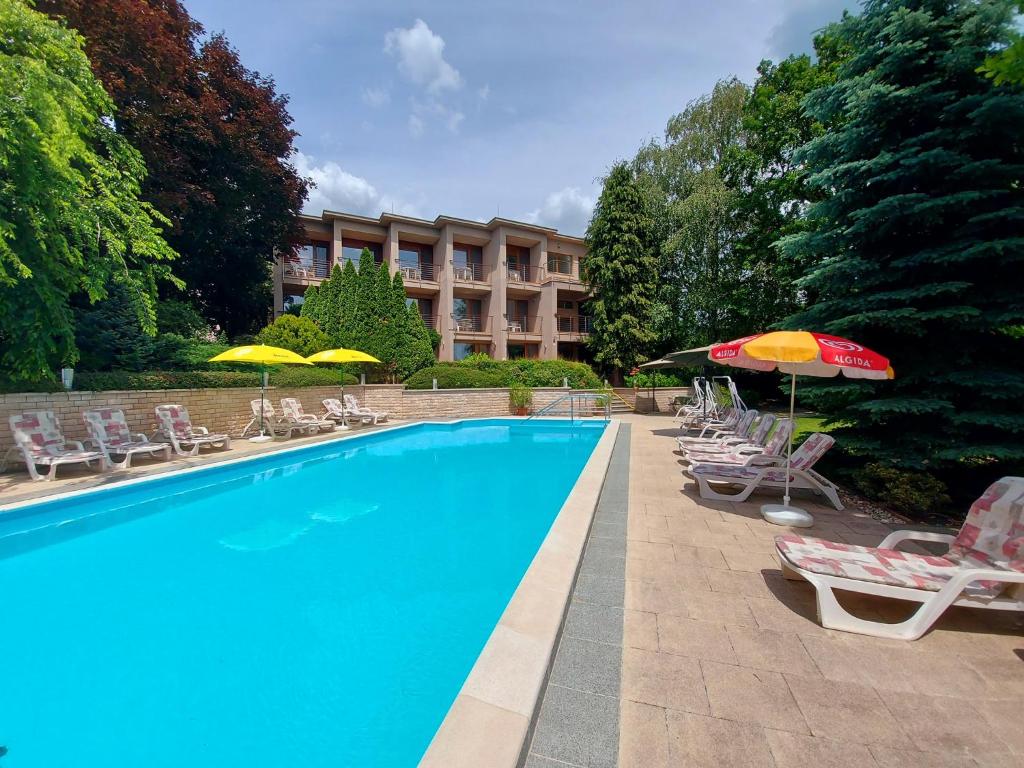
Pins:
<point x="227" y="410"/>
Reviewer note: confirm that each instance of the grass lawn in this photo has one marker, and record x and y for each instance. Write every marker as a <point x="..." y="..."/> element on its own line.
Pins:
<point x="806" y="425"/>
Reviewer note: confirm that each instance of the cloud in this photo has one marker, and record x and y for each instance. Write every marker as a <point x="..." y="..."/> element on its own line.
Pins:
<point x="415" y="126"/>
<point x="420" y="55"/>
<point x="802" y="20"/>
<point x="376" y="97"/>
<point x="567" y="210"/>
<point x="431" y="111"/>
<point x="336" y="189"/>
<point x="484" y="93"/>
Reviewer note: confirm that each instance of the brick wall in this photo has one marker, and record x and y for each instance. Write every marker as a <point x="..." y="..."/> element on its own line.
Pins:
<point x="227" y="410"/>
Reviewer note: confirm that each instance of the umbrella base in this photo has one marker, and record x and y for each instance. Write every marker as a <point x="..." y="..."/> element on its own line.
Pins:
<point x="261" y="439"/>
<point x="782" y="514"/>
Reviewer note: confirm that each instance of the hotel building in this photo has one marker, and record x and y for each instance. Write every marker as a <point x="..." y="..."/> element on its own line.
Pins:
<point x="504" y="288"/>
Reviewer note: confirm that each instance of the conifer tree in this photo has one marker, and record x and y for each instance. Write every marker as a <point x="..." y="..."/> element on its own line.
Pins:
<point x="917" y="246"/>
<point x="622" y="270"/>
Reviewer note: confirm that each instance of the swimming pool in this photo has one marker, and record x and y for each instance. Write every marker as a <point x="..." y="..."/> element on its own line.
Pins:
<point x="320" y="607"/>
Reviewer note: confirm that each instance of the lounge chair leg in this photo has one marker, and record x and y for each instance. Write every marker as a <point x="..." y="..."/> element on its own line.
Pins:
<point x="789" y="573"/>
<point x="833" y="616"/>
<point x="707" y="492"/>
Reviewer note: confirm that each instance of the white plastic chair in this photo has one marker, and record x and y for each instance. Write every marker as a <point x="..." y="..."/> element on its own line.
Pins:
<point x="40" y="441"/>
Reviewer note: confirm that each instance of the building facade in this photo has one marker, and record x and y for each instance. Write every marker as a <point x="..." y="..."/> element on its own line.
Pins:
<point x="504" y="288"/>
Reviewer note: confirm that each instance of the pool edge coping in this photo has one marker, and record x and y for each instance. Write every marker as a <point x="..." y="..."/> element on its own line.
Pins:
<point x="184" y="469"/>
<point x="490" y="720"/>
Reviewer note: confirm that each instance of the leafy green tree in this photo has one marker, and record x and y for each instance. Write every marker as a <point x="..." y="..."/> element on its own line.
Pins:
<point x="180" y="317"/>
<point x="216" y="138"/>
<point x="622" y="269"/>
<point x="299" y="334"/>
<point x="71" y="219"/>
<point x="1007" y="66"/>
<point x="916" y="245"/>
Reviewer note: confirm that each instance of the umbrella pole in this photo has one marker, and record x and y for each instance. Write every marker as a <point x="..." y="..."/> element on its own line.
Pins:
<point x="792" y="422"/>
<point x="263" y="398"/>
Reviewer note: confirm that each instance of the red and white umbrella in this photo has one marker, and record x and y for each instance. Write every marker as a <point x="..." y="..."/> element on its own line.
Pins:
<point x="800" y="353"/>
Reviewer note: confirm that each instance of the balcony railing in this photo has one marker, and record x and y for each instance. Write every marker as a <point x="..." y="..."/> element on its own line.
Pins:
<point x="523" y="324"/>
<point x="578" y="324"/>
<point x="523" y="273"/>
<point x="429" y="320"/>
<point x="317" y="269"/>
<point x="471" y="324"/>
<point x="470" y="272"/>
<point x="422" y="271"/>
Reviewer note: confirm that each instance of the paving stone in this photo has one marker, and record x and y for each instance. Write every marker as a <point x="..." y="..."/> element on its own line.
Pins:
<point x="599" y="623"/>
<point x="696" y="741"/>
<point x="752" y="696"/>
<point x="600" y="590"/>
<point x="578" y="728"/>
<point x="846" y="711"/>
<point x="770" y="650"/>
<point x="792" y="750"/>
<point x="588" y="666"/>
<point x="664" y="680"/>
<point x="644" y="737"/>
<point x="697" y="639"/>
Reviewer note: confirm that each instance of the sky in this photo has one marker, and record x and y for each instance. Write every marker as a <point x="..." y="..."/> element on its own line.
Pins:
<point x="512" y="109"/>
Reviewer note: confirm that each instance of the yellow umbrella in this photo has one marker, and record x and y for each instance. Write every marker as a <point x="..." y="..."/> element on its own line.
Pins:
<point x="342" y="355"/>
<point x="261" y="355"/>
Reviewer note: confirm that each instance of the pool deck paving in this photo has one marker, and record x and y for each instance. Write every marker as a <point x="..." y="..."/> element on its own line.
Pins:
<point x="725" y="664"/>
<point x="17" y="486"/>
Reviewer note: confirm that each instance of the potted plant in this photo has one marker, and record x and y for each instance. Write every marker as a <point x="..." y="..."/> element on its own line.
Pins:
<point x="520" y="398"/>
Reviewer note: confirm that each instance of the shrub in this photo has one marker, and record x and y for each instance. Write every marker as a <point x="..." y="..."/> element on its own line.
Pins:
<point x="905" y="491"/>
<point x="520" y="397"/>
<point x="454" y="376"/>
<point x="658" y="379"/>
<point x="298" y="334"/>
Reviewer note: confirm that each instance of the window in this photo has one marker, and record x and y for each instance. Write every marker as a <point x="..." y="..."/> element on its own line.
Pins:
<point x="516" y="351"/>
<point x="466" y="308"/>
<point x="292" y="301"/>
<point x="570" y="305"/>
<point x="462" y="351"/>
<point x="560" y="263"/>
<point x="352" y="249"/>
<point x="518" y="256"/>
<point x="416" y="260"/>
<point x="468" y="261"/>
<point x="312" y="260"/>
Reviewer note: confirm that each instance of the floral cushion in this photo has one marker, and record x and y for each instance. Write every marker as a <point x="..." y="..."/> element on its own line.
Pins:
<point x="779" y="439"/>
<point x="764" y="426"/>
<point x="734" y="471"/>
<point x="880" y="566"/>
<point x="39" y="433"/>
<point x="108" y="425"/>
<point x="176" y="421"/>
<point x="992" y="536"/>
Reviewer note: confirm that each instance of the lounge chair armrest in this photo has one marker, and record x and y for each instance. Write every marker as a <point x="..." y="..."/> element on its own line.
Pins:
<point x="760" y="460"/>
<point x="140" y="437"/>
<point x="894" y="538"/>
<point x="78" y="444"/>
<point x="968" y="576"/>
<point x="200" y="430"/>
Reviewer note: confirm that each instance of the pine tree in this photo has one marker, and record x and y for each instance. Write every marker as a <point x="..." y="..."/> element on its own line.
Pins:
<point x="622" y="270"/>
<point x="917" y="247"/>
<point x="345" y="318"/>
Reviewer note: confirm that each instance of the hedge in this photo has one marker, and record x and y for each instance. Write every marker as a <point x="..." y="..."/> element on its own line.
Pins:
<point x="283" y="377"/>
<point x="478" y="372"/>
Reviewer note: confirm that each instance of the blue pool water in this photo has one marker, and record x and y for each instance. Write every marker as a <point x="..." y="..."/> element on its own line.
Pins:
<point x="320" y="608"/>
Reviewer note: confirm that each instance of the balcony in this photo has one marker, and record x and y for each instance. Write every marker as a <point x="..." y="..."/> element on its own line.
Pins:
<point x="470" y="273"/>
<point x="523" y="273"/>
<point x="430" y="321"/>
<point x="471" y="325"/>
<point x="574" y="326"/>
<point x="523" y="325"/>
<point x="424" y="271"/>
<point x="296" y="270"/>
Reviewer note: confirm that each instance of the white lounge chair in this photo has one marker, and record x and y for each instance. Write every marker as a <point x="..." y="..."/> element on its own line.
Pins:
<point x="801" y="474"/>
<point x="756" y="442"/>
<point x="277" y="425"/>
<point x="712" y="435"/>
<point x="984" y="567"/>
<point x="292" y="408"/>
<point x="746" y="454"/>
<point x="109" y="432"/>
<point x="176" y="426"/>
<point x="352" y="408"/>
<point x="40" y="441"/>
<point x="334" y="410"/>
